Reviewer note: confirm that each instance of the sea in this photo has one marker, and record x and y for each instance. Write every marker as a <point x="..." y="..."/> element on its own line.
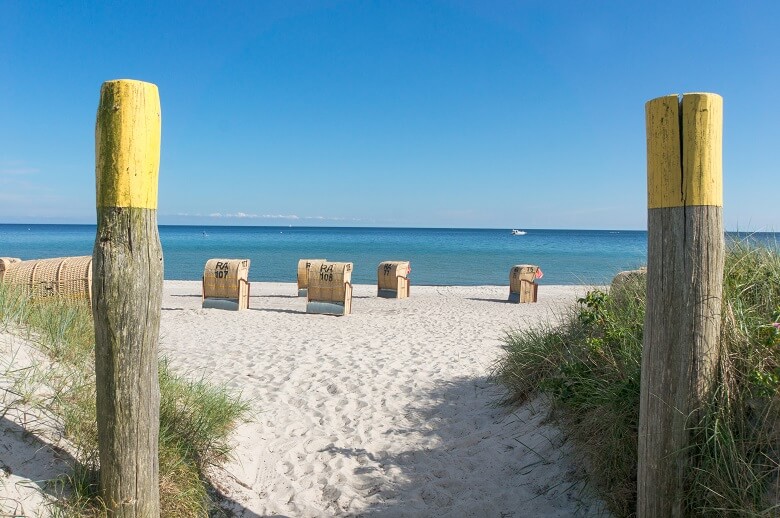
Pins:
<point x="439" y="256"/>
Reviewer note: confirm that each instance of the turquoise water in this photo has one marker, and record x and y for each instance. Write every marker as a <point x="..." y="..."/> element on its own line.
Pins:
<point x="438" y="256"/>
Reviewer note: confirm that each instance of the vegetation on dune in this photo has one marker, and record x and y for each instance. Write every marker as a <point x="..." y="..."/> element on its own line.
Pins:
<point x="590" y="365"/>
<point x="195" y="416"/>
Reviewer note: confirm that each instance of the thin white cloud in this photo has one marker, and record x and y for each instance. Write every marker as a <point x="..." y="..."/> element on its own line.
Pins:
<point x="291" y="217"/>
<point x="247" y="215"/>
<point x="280" y="216"/>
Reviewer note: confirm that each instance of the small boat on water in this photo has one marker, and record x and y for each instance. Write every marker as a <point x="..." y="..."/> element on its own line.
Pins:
<point x="516" y="232"/>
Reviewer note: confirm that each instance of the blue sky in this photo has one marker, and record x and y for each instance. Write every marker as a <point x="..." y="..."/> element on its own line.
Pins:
<point x="524" y="114"/>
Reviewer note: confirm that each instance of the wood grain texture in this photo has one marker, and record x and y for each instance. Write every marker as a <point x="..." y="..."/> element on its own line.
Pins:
<point x="682" y="326"/>
<point x="684" y="289"/>
<point x="126" y="298"/>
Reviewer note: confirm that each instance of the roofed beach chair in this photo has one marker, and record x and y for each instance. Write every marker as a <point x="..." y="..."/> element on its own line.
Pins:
<point x="392" y="279"/>
<point x="66" y="277"/>
<point x="522" y="282"/>
<point x="330" y="288"/>
<point x="226" y="284"/>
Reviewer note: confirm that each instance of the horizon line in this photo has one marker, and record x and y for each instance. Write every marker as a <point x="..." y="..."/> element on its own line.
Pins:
<point x="387" y="227"/>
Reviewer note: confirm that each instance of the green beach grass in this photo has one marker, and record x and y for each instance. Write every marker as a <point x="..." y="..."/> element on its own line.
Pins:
<point x="196" y="417"/>
<point x="590" y="367"/>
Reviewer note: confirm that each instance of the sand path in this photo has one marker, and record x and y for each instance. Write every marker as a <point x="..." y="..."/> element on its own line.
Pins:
<point x="385" y="412"/>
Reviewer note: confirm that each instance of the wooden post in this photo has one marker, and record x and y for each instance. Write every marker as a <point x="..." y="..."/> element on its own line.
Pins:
<point x="684" y="286"/>
<point x="127" y="294"/>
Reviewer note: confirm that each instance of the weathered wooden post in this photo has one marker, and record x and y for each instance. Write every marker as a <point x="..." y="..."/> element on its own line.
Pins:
<point x="127" y="294"/>
<point x="684" y="286"/>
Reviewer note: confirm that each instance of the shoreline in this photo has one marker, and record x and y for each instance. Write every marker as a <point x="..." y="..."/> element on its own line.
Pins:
<point x="443" y="257"/>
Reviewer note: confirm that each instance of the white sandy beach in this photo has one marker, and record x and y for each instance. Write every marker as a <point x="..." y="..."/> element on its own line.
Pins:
<point x="385" y="412"/>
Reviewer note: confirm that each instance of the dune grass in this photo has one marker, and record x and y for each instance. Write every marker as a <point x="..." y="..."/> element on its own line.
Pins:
<point x="590" y="365"/>
<point x="196" y="417"/>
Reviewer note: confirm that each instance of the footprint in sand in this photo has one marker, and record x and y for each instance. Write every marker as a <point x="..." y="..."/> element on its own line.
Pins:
<point x="330" y="493"/>
<point x="433" y="497"/>
<point x="317" y="445"/>
<point x="283" y="468"/>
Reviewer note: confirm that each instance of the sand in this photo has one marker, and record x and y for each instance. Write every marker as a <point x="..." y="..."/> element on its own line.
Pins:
<point x="386" y="412"/>
<point x="30" y="453"/>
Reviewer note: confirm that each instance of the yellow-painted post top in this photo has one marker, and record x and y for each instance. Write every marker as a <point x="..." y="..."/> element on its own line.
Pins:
<point x="685" y="150"/>
<point x="127" y="144"/>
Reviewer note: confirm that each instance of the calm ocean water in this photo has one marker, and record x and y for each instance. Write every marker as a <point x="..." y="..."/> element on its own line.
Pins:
<point x="438" y="256"/>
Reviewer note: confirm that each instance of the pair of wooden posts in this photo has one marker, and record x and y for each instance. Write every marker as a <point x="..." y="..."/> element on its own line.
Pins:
<point x="685" y="247"/>
<point x="685" y="271"/>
